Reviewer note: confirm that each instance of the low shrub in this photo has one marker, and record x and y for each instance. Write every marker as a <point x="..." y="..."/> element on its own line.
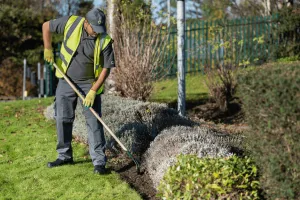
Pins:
<point x="270" y="97"/>
<point x="221" y="82"/>
<point x="210" y="178"/>
<point x="177" y="140"/>
<point x="135" y="123"/>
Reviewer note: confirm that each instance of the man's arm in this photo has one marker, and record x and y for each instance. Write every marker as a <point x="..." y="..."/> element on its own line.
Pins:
<point x="47" y="35"/>
<point x="109" y="62"/>
<point x="103" y="75"/>
<point x="90" y="97"/>
<point x="49" y="27"/>
<point x="48" y="53"/>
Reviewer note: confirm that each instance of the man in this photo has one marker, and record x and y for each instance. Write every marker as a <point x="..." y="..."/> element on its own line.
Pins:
<point x="86" y="57"/>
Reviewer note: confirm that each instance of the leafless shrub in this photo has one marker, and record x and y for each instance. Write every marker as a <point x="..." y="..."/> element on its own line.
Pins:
<point x="222" y="84"/>
<point x="139" y="52"/>
<point x="186" y="140"/>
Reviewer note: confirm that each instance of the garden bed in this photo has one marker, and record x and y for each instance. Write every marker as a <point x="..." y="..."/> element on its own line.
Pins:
<point x="229" y="122"/>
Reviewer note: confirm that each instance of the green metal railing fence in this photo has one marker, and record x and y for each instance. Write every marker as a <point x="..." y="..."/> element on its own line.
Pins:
<point x="237" y="41"/>
<point x="211" y="43"/>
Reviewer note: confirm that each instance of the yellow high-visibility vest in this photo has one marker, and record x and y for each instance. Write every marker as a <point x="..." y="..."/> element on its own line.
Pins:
<point x="72" y="34"/>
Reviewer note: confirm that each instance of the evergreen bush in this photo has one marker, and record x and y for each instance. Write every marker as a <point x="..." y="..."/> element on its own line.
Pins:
<point x="206" y="178"/>
<point x="271" y="102"/>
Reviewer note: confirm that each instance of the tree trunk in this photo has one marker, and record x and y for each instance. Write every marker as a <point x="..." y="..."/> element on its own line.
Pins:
<point x="267" y="7"/>
<point x="111" y="25"/>
<point x="112" y="12"/>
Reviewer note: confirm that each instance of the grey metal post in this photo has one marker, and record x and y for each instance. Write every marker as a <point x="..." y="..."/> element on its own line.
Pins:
<point x="181" y="56"/>
<point x="24" y="79"/>
<point x="39" y="79"/>
<point x="42" y="85"/>
<point x="45" y="82"/>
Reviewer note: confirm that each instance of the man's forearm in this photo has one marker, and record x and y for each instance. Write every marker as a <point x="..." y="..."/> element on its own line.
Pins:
<point x="47" y="35"/>
<point x="102" y="77"/>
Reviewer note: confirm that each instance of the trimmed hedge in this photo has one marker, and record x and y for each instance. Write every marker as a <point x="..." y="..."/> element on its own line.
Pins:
<point x="208" y="178"/>
<point x="135" y="123"/>
<point x="271" y="102"/>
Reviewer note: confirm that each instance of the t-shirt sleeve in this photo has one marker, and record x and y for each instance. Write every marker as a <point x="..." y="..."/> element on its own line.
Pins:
<point x="58" y="25"/>
<point x="108" y="56"/>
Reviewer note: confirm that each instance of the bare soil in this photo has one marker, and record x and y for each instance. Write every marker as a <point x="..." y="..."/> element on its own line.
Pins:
<point x="207" y="114"/>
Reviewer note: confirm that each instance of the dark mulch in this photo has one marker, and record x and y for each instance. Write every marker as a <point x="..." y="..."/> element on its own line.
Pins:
<point x="206" y="113"/>
<point x="138" y="180"/>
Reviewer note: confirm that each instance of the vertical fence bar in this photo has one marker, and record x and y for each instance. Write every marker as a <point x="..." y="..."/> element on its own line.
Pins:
<point x="194" y="48"/>
<point x="42" y="84"/>
<point x="221" y="41"/>
<point x="240" y="41"/>
<point x="268" y="37"/>
<point x="168" y="49"/>
<point x="214" y="43"/>
<point x="231" y="26"/>
<point x="39" y="79"/>
<point x="200" y="25"/>
<point x="259" y="35"/>
<point x="252" y="29"/>
<point x="244" y="38"/>
<point x="50" y="82"/>
<point x="203" y="46"/>
<point x="263" y="30"/>
<point x="189" y="54"/>
<point x="236" y="39"/>
<point x="256" y="36"/>
<point x="45" y="81"/>
<point x="210" y="49"/>
<point x="24" y="79"/>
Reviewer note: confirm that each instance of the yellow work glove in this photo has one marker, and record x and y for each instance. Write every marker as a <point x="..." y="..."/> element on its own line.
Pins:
<point x="48" y="55"/>
<point x="89" y="99"/>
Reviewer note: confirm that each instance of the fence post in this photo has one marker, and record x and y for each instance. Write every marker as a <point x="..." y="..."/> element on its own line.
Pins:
<point x="45" y="82"/>
<point x="24" y="80"/>
<point x="42" y="84"/>
<point x="39" y="79"/>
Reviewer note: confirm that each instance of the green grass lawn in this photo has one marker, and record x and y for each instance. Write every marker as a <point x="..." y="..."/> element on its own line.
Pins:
<point x="28" y="142"/>
<point x="166" y="90"/>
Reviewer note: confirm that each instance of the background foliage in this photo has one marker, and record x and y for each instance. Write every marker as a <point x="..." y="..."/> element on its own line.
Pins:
<point x="270" y="97"/>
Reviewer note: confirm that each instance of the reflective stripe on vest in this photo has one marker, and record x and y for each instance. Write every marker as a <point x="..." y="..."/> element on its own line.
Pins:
<point x="72" y="35"/>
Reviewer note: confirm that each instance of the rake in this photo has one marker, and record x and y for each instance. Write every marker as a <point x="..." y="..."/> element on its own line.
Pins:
<point x="99" y="118"/>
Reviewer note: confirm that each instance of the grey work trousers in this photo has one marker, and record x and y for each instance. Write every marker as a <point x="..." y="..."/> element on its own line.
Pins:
<point x="65" y="103"/>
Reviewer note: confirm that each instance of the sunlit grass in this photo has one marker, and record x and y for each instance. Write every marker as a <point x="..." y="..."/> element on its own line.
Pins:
<point x="167" y="90"/>
<point x="28" y="142"/>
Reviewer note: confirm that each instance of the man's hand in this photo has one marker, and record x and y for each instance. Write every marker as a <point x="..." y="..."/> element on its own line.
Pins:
<point x="89" y="99"/>
<point x="48" y="55"/>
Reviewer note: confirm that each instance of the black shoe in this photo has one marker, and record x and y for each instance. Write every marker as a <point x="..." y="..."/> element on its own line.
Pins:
<point x="60" y="162"/>
<point x="99" y="169"/>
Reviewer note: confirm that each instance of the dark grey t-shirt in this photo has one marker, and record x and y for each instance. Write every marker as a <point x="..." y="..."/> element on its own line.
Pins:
<point x="81" y="68"/>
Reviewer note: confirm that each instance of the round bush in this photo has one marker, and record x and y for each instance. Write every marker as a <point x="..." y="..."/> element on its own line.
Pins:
<point x="210" y="178"/>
